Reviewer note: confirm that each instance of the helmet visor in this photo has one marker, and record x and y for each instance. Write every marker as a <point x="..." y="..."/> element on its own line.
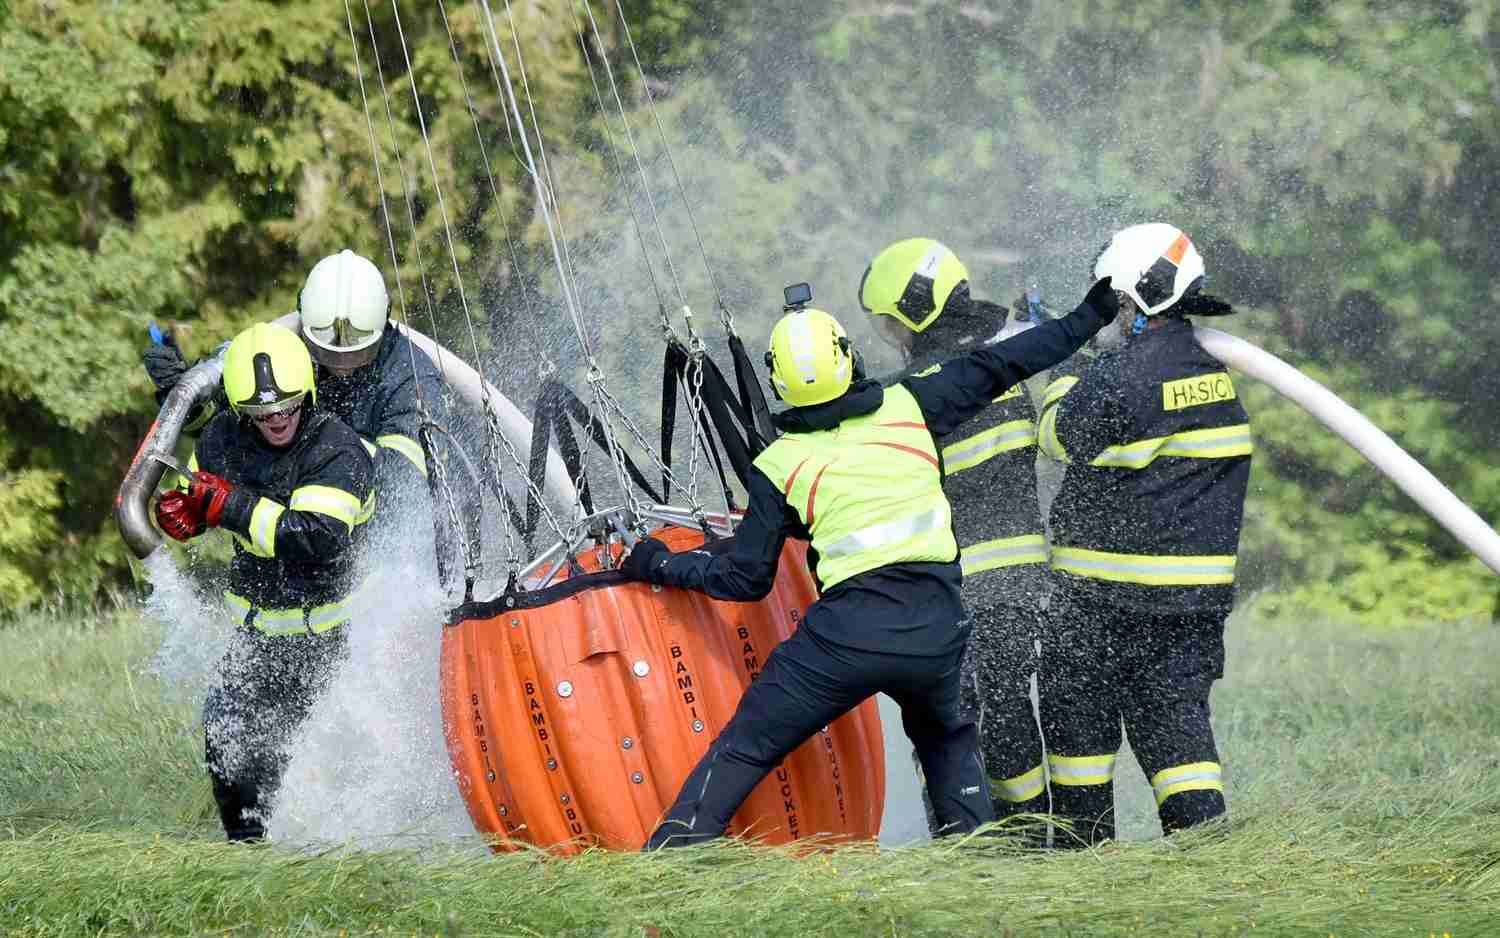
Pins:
<point x="345" y="360"/>
<point x="257" y="408"/>
<point x="341" y="335"/>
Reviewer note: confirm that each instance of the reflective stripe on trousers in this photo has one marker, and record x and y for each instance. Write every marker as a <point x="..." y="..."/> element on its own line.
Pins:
<point x="1023" y="787"/>
<point x="1145" y="568"/>
<point x="1195" y="776"/>
<point x="312" y="620"/>
<point x="1003" y="552"/>
<point x="1081" y="770"/>
<point x="877" y="536"/>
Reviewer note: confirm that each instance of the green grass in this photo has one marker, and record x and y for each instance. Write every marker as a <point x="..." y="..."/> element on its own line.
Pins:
<point x="1365" y="800"/>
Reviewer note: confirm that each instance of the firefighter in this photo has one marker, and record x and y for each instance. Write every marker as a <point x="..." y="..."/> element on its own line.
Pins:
<point x="292" y="484"/>
<point x="857" y="473"/>
<point x="1145" y="530"/>
<point x="917" y="290"/>
<point x="371" y="375"/>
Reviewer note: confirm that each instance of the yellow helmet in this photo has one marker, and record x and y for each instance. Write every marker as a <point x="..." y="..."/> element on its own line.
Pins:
<point x="911" y="282"/>
<point x="810" y="358"/>
<point x="267" y="369"/>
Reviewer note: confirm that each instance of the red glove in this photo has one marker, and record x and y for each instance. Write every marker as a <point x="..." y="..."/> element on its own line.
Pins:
<point x="179" y="516"/>
<point x="209" y="493"/>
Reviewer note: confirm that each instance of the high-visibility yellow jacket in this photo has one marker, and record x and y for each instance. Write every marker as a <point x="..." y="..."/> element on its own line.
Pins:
<point x="859" y="478"/>
<point x="869" y="490"/>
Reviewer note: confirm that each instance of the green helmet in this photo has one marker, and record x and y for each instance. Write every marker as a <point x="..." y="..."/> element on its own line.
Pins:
<point x="810" y="358"/>
<point x="267" y="369"/>
<point x="911" y="281"/>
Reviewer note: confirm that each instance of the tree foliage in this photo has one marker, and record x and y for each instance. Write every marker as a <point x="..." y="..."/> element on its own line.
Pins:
<point x="1332" y="159"/>
<point x="185" y="162"/>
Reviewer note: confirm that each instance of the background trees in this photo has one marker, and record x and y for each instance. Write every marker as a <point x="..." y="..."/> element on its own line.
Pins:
<point x="187" y="161"/>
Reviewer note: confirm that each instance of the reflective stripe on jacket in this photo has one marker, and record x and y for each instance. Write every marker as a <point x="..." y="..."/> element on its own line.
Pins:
<point x="1158" y="450"/>
<point x="297" y="514"/>
<point x="989" y="467"/>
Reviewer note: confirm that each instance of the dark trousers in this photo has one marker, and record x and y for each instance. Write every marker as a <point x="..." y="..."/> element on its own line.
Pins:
<point x="266" y="689"/>
<point x="1103" y="664"/>
<point x="996" y="694"/>
<point x="806" y="684"/>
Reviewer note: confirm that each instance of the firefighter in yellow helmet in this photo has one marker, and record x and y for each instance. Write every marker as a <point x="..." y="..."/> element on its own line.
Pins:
<point x="857" y="473"/>
<point x="1145" y="531"/>
<point x="370" y="375"/>
<point x="291" y="483"/>
<point x="917" y="290"/>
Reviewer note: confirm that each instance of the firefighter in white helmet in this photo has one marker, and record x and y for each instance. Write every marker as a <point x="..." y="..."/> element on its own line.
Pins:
<point x="371" y="375"/>
<point x="1145" y="532"/>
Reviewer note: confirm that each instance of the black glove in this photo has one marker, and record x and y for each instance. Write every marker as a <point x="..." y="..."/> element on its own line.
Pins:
<point x="1101" y="298"/>
<point x="1201" y="304"/>
<point x="165" y="364"/>
<point x="650" y="554"/>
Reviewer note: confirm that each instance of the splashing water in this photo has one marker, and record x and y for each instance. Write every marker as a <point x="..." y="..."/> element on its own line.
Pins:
<point x="370" y="767"/>
<point x="197" y="629"/>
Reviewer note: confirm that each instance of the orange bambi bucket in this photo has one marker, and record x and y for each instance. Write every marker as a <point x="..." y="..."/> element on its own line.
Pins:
<point x="573" y="717"/>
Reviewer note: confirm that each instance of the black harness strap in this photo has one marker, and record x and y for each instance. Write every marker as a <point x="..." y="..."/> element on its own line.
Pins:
<point x="672" y="365"/>
<point x="579" y="412"/>
<point x="547" y="419"/>
<point x="759" y="431"/>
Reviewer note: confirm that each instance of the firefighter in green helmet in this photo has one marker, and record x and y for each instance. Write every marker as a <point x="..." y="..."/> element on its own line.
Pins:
<point x="291" y="484"/>
<point x="856" y="472"/>
<point x="917" y="292"/>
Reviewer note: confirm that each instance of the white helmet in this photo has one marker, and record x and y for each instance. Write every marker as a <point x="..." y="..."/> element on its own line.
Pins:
<point x="344" y="308"/>
<point x="1154" y="264"/>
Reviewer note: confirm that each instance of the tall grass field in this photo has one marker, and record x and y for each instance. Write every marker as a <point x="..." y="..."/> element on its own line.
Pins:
<point x="1364" y="798"/>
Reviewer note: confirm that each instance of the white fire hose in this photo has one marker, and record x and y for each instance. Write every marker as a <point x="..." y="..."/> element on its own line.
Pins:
<point x="1382" y="452"/>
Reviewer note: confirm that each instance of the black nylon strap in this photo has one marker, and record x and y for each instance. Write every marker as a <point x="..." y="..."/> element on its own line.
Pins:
<point x="752" y="398"/>
<point x="672" y="365"/>
<point x="579" y="412"/>
<point x="728" y="418"/>
<point x="549" y="418"/>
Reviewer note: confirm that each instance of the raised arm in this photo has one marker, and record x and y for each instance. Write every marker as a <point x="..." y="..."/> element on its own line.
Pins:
<point x="951" y="393"/>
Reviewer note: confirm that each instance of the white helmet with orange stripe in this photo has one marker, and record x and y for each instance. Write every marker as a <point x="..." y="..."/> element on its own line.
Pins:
<point x="1153" y="264"/>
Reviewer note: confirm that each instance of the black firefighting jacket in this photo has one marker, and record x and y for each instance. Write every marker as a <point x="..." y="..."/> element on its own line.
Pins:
<point x="382" y="402"/>
<point x="902" y="608"/>
<point x="1158" y="450"/>
<point x="296" y="515"/>
<point x="989" y="466"/>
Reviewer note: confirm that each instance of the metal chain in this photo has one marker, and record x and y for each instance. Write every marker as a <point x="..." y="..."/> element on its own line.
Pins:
<point x="494" y="421"/>
<point x="640" y="438"/>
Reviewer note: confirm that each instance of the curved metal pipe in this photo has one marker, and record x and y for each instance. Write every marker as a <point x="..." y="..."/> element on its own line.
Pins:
<point x="1383" y="452"/>
<point x="133" y="500"/>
